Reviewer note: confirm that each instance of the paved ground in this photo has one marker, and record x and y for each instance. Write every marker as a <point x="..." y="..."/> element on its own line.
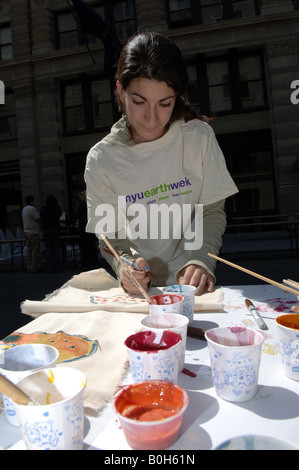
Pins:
<point x="251" y="252"/>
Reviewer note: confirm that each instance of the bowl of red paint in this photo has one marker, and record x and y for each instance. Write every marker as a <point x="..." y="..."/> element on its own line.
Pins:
<point x="151" y="413"/>
<point x="166" y="303"/>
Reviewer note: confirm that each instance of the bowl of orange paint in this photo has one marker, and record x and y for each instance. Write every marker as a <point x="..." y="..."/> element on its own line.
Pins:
<point x="288" y="334"/>
<point x="151" y="413"/>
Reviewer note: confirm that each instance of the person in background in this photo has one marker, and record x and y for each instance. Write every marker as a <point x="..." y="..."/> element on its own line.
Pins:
<point x="161" y="152"/>
<point x="31" y="226"/>
<point x="88" y="241"/>
<point x="63" y="231"/>
<point x="50" y="220"/>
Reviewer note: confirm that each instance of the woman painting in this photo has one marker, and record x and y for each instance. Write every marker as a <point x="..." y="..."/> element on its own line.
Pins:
<point x="160" y="154"/>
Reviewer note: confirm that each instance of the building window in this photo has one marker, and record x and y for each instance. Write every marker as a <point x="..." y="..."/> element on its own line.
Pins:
<point x="180" y="13"/>
<point x="10" y="198"/>
<point x="230" y="84"/>
<point x="87" y="105"/>
<point x="73" y="107"/>
<point x="102" y="111"/>
<point x="5" y="42"/>
<point x="188" y="12"/>
<point x="124" y="18"/>
<point x="219" y="90"/>
<point x="68" y="34"/>
<point x="249" y="158"/>
<point x="119" y="15"/>
<point x="8" y="127"/>
<point x="75" y="165"/>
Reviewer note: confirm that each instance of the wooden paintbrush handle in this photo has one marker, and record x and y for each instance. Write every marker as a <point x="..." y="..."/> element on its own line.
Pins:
<point x="12" y="391"/>
<point x="197" y="333"/>
<point x="251" y="273"/>
<point x="139" y="286"/>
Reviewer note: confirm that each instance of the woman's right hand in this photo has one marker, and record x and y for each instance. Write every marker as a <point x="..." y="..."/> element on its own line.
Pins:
<point x="143" y="277"/>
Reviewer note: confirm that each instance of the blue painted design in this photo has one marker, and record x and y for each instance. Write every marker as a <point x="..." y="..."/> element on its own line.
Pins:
<point x="290" y="353"/>
<point x="240" y="374"/>
<point x="42" y="434"/>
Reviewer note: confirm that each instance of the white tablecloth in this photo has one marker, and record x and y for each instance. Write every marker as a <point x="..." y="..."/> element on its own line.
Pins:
<point x="209" y="420"/>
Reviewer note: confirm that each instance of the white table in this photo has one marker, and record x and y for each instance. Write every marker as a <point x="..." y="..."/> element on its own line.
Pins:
<point x="209" y="420"/>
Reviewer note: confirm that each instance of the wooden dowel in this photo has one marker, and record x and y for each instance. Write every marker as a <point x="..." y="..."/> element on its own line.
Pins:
<point x="291" y="283"/>
<point x="138" y="285"/>
<point x="251" y="273"/>
<point x="12" y="391"/>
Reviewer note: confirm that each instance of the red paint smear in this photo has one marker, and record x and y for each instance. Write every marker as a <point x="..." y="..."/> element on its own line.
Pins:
<point x="188" y="372"/>
<point x="280" y="305"/>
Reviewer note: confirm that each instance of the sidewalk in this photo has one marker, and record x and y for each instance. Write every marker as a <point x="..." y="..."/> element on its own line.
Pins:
<point x="249" y="251"/>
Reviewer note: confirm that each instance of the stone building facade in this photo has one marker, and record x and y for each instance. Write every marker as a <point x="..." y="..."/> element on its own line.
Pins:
<point x="243" y="63"/>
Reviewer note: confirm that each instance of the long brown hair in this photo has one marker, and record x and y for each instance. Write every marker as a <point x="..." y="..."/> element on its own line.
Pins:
<point x="153" y="56"/>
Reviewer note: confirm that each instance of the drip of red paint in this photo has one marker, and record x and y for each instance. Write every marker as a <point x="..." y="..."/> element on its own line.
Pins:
<point x="188" y="372"/>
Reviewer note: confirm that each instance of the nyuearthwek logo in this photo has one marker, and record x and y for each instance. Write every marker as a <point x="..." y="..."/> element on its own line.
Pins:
<point x="2" y="92"/>
<point x="295" y="94"/>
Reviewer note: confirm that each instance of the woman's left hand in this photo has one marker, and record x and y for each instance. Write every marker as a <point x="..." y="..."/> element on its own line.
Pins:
<point x="197" y="276"/>
<point x="143" y="277"/>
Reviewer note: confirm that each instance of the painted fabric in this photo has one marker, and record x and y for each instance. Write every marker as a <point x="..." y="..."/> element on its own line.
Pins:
<point x="97" y="290"/>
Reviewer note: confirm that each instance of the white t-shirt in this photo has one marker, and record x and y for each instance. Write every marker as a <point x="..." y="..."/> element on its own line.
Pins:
<point x="30" y="218"/>
<point x="182" y="169"/>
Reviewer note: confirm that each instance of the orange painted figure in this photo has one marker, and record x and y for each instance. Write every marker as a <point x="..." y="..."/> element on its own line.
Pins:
<point x="70" y="347"/>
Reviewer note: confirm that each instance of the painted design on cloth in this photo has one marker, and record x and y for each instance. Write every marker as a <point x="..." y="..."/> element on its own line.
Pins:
<point x="124" y="299"/>
<point x="71" y="347"/>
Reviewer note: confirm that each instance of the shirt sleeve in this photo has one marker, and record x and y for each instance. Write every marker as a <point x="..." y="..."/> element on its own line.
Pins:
<point x="214" y="224"/>
<point x="103" y="216"/>
<point x="217" y="182"/>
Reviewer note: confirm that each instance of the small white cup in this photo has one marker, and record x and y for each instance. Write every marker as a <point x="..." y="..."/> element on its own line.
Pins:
<point x="188" y="292"/>
<point x="169" y="322"/>
<point x="18" y="362"/>
<point x="154" y="355"/>
<point x="235" y="354"/>
<point x="59" y="422"/>
<point x="166" y="303"/>
<point x="288" y="334"/>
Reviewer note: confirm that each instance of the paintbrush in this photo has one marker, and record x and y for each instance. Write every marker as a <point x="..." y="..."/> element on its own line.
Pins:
<point x="197" y="333"/>
<point x="258" y="319"/>
<point x="127" y="261"/>
<point x="13" y="392"/>
<point x="251" y="273"/>
<point x="137" y="284"/>
<point x="291" y="283"/>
